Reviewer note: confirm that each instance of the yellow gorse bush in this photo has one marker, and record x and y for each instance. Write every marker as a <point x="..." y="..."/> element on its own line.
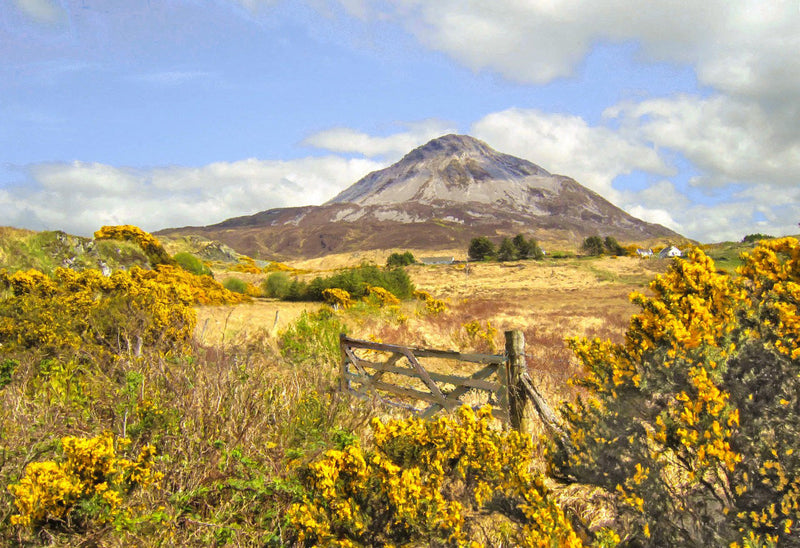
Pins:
<point x="404" y="490"/>
<point x="88" y="311"/>
<point x="382" y="296"/>
<point x="338" y="297"/>
<point x="90" y="470"/>
<point x="692" y="420"/>
<point x="482" y="337"/>
<point x="432" y="305"/>
<point x="129" y="233"/>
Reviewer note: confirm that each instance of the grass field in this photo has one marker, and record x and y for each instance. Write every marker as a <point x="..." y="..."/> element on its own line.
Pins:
<point x="548" y="300"/>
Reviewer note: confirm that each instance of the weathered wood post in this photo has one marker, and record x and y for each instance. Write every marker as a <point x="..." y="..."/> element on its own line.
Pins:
<point x="516" y="371"/>
<point x="344" y="383"/>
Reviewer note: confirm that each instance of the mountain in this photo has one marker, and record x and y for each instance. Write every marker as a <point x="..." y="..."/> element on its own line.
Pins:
<point x="438" y="196"/>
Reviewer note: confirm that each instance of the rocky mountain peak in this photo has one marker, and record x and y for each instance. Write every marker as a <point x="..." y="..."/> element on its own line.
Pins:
<point x="452" y="168"/>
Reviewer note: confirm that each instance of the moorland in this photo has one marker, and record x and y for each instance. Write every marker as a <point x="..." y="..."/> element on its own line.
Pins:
<point x="162" y="405"/>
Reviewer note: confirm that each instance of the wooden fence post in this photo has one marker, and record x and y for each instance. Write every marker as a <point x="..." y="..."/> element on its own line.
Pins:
<point x="516" y="371"/>
<point x="344" y="384"/>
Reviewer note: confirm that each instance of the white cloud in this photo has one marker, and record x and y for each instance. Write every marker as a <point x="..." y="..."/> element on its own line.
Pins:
<point x="80" y="197"/>
<point x="728" y="140"/>
<point x="761" y="208"/>
<point x="346" y="140"/>
<point x="44" y="11"/>
<point x="740" y="46"/>
<point x="592" y="155"/>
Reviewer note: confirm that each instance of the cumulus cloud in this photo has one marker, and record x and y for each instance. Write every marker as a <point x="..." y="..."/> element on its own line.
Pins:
<point x="593" y="155"/>
<point x="728" y="140"/>
<point x="346" y="140"/>
<point x="740" y="46"/>
<point x="762" y="208"/>
<point x="43" y="11"/>
<point x="79" y="197"/>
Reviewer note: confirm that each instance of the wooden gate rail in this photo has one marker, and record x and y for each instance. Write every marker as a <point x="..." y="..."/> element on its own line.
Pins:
<point x="505" y="378"/>
<point x="371" y="383"/>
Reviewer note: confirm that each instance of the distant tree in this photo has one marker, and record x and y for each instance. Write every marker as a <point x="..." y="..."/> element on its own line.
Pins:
<point x="612" y="246"/>
<point x="527" y="249"/>
<point x="400" y="259"/>
<point x="508" y="251"/>
<point x="536" y="252"/>
<point x="753" y="238"/>
<point x="481" y="249"/>
<point x="593" y="245"/>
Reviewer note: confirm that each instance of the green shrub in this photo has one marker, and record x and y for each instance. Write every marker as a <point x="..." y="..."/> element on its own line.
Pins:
<point x="593" y="245"/>
<point x="235" y="285"/>
<point x="192" y="264"/>
<point x="277" y="285"/>
<point x="400" y="259"/>
<point x="753" y="238"/>
<point x="356" y="281"/>
<point x="313" y="337"/>
<point x="612" y="247"/>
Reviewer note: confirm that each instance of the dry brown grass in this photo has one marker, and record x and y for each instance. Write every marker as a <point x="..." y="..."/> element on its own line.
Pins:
<point x="549" y="301"/>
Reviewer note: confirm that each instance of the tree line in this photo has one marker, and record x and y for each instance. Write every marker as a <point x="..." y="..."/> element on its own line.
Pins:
<point x="511" y="249"/>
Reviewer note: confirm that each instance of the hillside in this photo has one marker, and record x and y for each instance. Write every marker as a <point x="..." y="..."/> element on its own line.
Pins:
<point x="437" y="197"/>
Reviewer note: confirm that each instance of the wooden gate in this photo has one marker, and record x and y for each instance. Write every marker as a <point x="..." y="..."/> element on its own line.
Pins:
<point x="394" y="375"/>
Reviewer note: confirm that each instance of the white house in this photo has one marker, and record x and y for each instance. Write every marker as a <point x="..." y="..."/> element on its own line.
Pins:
<point x="644" y="253"/>
<point x="669" y="252"/>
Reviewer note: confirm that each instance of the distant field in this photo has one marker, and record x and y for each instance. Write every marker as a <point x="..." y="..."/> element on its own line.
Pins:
<point x="548" y="301"/>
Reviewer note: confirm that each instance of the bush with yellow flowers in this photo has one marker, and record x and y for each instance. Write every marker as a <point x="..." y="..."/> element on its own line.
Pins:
<point x="432" y="305"/>
<point x="203" y="289"/>
<point x="90" y="476"/>
<point x="381" y="296"/>
<point x="129" y="233"/>
<point x="337" y="297"/>
<point x="693" y="420"/>
<point x="86" y="311"/>
<point x="423" y="483"/>
<point x="482" y="338"/>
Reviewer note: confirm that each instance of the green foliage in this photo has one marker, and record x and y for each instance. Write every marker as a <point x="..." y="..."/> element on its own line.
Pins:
<point x="693" y="420"/>
<point x="235" y="285"/>
<point x="527" y="249"/>
<point x="481" y="249"/>
<point x="7" y="368"/>
<point x="48" y="250"/>
<point x="507" y="251"/>
<point x="593" y="245"/>
<point x="356" y="282"/>
<point x="192" y="264"/>
<point x="313" y="337"/>
<point x="277" y="285"/>
<point x="753" y="238"/>
<point x="612" y="247"/>
<point x="400" y="259"/>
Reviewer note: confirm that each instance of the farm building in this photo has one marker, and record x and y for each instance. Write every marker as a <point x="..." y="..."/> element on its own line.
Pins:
<point x="437" y="260"/>
<point x="669" y="252"/>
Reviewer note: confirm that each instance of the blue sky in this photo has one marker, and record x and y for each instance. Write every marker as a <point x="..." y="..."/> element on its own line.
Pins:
<point x="178" y="112"/>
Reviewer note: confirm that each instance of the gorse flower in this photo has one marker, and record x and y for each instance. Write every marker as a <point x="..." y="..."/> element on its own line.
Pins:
<point x="403" y="490"/>
<point x="90" y="470"/>
<point x="693" y="419"/>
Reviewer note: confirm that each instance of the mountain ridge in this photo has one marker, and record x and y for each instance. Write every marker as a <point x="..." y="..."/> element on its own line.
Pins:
<point x="438" y="196"/>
